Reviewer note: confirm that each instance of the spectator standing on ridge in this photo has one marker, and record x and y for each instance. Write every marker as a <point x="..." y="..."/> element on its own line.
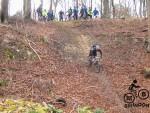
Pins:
<point x="44" y="14"/>
<point x="75" y="13"/>
<point x="61" y="14"/>
<point x="39" y="12"/>
<point x="50" y="15"/>
<point x="85" y="15"/>
<point x="69" y="13"/>
<point x="90" y="13"/>
<point x="81" y="12"/>
<point x="95" y="13"/>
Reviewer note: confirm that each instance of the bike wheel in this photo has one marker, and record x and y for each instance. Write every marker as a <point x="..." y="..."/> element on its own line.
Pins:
<point x="89" y="63"/>
<point x="97" y="68"/>
<point x="129" y="98"/>
<point x="143" y="94"/>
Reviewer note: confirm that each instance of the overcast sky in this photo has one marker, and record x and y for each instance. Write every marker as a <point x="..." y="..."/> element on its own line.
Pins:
<point x="16" y="5"/>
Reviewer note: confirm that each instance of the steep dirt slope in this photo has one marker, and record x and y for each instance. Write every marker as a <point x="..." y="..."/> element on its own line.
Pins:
<point x="63" y="48"/>
<point x="124" y="55"/>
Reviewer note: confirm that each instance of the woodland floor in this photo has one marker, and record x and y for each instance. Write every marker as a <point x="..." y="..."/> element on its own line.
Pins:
<point x="63" y="49"/>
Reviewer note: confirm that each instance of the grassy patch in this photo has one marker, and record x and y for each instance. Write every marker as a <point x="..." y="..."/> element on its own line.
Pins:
<point x="146" y="72"/>
<point x="87" y="109"/>
<point x="9" y="53"/>
<point x="21" y="106"/>
<point x="3" y="83"/>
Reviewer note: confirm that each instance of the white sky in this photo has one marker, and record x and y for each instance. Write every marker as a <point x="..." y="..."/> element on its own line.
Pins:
<point x="17" y="5"/>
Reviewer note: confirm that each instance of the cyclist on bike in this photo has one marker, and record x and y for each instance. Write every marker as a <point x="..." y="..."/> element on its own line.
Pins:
<point x="133" y="86"/>
<point x="93" y="52"/>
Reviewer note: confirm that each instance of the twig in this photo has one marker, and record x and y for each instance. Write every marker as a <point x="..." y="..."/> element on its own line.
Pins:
<point x="32" y="42"/>
<point x="91" y="87"/>
<point x="33" y="49"/>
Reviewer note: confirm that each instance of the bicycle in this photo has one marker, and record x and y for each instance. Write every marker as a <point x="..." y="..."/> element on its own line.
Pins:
<point x="95" y="61"/>
<point x="142" y="94"/>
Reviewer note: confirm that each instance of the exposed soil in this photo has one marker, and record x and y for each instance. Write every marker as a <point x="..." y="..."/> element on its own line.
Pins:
<point x="62" y="72"/>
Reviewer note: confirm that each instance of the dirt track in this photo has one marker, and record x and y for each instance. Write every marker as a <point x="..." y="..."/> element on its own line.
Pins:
<point x="123" y="59"/>
<point x="111" y="60"/>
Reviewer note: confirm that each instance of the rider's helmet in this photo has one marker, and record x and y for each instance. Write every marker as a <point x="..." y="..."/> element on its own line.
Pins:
<point x="94" y="47"/>
<point x="97" y="46"/>
<point x="135" y="81"/>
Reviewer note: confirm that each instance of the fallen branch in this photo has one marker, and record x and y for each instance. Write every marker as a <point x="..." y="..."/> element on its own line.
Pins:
<point x="33" y="49"/>
<point x="3" y="25"/>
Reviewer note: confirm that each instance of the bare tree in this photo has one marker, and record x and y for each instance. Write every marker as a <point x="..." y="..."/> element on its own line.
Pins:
<point x="106" y="9"/>
<point x="42" y="2"/>
<point x="65" y="6"/>
<point x="101" y="8"/>
<point x="51" y="5"/>
<point x="144" y="8"/>
<point x="77" y="4"/>
<point x="83" y="2"/>
<point x="4" y="10"/>
<point x="113" y="6"/>
<point x="56" y="4"/>
<point x="91" y="3"/>
<point x="147" y="41"/>
<point x="135" y="7"/>
<point x="27" y="9"/>
<point x="140" y="8"/>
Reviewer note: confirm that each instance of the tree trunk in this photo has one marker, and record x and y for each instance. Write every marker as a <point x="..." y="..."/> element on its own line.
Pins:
<point x="51" y="5"/>
<point x="144" y="8"/>
<point x="55" y="4"/>
<point x="148" y="39"/>
<point x="91" y="4"/>
<point x="140" y="9"/>
<point x="77" y="4"/>
<point x="83" y="2"/>
<point x="4" y="11"/>
<point x="27" y="9"/>
<point x="106" y="9"/>
<point x="101" y="8"/>
<point x="42" y="3"/>
<point x="135" y="7"/>
<point x="0" y="10"/>
<point x="113" y="6"/>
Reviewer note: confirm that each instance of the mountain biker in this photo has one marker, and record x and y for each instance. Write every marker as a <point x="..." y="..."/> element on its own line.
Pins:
<point x="133" y="86"/>
<point x="93" y="52"/>
<point x="39" y="12"/>
<point x="61" y="14"/>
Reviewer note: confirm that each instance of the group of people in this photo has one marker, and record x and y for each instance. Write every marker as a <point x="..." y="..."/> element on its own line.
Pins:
<point x="71" y="14"/>
<point x="44" y="15"/>
<point x="83" y="13"/>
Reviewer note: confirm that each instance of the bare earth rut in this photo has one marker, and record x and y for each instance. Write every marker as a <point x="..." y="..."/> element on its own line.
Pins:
<point x="103" y="86"/>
